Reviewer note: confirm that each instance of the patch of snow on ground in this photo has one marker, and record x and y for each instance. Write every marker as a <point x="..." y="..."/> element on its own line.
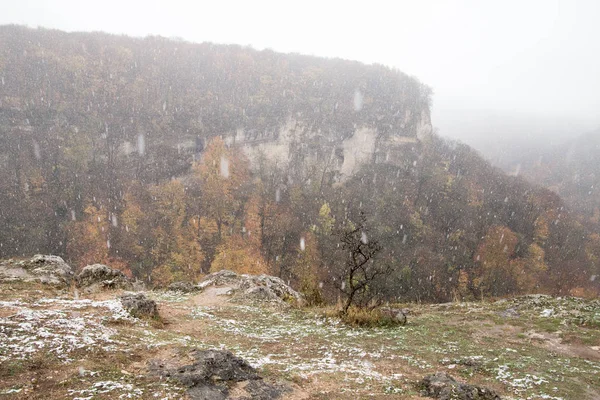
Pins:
<point x="58" y="331"/>
<point x="336" y="355"/>
<point x="130" y="392"/>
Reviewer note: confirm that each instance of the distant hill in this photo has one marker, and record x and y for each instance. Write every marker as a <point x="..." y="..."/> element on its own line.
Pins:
<point x="170" y="159"/>
<point x="506" y="138"/>
<point x="571" y="169"/>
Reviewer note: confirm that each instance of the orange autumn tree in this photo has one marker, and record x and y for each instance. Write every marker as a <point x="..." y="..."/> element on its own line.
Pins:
<point x="500" y="271"/>
<point x="235" y="254"/>
<point x="88" y="241"/>
<point x="241" y="251"/>
<point x="134" y="235"/>
<point x="528" y="271"/>
<point x="176" y="250"/>
<point x="223" y="177"/>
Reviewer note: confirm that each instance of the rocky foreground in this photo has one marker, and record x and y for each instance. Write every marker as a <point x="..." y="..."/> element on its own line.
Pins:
<point x="97" y="335"/>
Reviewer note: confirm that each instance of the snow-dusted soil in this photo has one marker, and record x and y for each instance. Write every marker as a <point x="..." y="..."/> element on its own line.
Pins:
<point x="58" y="327"/>
<point x="66" y="344"/>
<point x="475" y="342"/>
<point x="56" y="348"/>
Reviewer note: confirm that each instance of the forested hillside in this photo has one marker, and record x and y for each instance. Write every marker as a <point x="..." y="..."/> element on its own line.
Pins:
<point x="149" y="155"/>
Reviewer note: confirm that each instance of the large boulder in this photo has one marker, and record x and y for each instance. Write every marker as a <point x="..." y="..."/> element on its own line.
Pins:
<point x="97" y="277"/>
<point x="254" y="288"/>
<point x="444" y="387"/>
<point x="139" y="305"/>
<point x="41" y="268"/>
<point x="219" y="375"/>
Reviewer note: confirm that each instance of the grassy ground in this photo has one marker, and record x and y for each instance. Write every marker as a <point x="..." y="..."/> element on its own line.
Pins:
<point x="525" y="348"/>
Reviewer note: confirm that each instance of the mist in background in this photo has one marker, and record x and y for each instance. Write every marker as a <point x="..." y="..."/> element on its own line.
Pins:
<point x="508" y="77"/>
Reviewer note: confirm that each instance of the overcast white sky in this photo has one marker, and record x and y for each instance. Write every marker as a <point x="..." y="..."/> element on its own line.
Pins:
<point x="527" y="56"/>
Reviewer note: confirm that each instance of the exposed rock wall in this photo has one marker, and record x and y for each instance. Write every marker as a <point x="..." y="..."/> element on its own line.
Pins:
<point x="343" y="152"/>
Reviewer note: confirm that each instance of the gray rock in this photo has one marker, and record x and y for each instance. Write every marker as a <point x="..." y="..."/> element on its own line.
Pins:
<point x="206" y="392"/>
<point x="509" y="313"/>
<point x="220" y="375"/>
<point x="261" y="390"/>
<point x="41" y="268"/>
<point x="139" y="305"/>
<point x="220" y="278"/>
<point x="444" y="387"/>
<point x="215" y="365"/>
<point x="183" y="287"/>
<point x="255" y="288"/>
<point x="396" y="314"/>
<point x="97" y="277"/>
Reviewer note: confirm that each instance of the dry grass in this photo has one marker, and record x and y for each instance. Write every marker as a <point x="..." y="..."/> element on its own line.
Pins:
<point x="360" y="317"/>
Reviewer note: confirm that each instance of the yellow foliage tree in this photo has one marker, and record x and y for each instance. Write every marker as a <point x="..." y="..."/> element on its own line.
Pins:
<point x="541" y="229"/>
<point x="494" y="259"/>
<point x="223" y="173"/>
<point x="306" y="269"/>
<point x="87" y="239"/>
<point x="534" y="265"/>
<point x="237" y="255"/>
<point x="176" y="248"/>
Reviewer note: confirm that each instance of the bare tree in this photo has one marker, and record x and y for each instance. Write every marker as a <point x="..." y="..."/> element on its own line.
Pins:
<point x="360" y="271"/>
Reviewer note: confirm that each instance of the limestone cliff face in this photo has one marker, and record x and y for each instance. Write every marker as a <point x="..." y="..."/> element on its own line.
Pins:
<point x="294" y="142"/>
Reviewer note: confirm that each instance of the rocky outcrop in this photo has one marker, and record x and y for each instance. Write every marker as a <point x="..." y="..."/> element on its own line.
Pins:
<point x="254" y="288"/>
<point x="444" y="387"/>
<point x="41" y="268"/>
<point x="219" y="375"/>
<point x="139" y="305"/>
<point x="221" y="278"/>
<point x="98" y="277"/>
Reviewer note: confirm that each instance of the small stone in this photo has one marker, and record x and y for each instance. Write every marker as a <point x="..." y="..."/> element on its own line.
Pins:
<point x="397" y="315"/>
<point x="444" y="387"/>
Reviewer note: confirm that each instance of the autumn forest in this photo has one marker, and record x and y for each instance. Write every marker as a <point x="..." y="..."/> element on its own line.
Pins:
<point x="156" y="157"/>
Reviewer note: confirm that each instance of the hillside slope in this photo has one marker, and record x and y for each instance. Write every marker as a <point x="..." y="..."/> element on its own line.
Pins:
<point x="170" y="160"/>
